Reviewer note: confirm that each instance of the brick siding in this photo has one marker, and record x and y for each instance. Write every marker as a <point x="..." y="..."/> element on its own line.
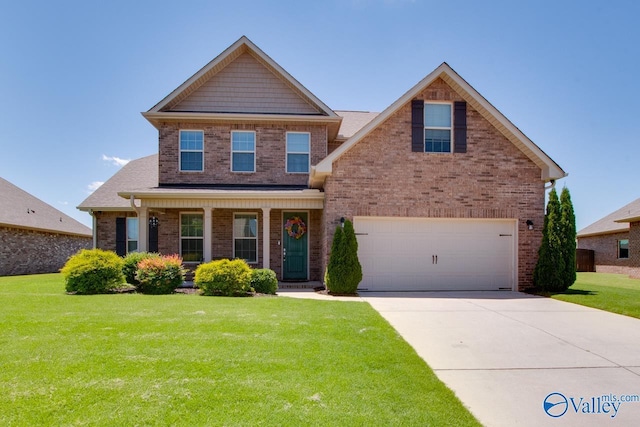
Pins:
<point x="270" y="154"/>
<point x="381" y="176"/>
<point x="34" y="252"/>
<point x="605" y="252"/>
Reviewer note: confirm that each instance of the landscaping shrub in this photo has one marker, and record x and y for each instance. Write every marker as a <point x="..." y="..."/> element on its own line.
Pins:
<point x="130" y="267"/>
<point x="160" y="275"/>
<point x="344" y="271"/>
<point x="264" y="281"/>
<point x="93" y="271"/>
<point x="223" y="277"/>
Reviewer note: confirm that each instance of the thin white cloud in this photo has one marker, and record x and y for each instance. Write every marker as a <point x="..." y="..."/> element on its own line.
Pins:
<point x="94" y="186"/>
<point x="116" y="161"/>
<point x="63" y="203"/>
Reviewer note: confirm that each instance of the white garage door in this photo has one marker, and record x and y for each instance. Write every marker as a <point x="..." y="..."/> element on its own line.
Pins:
<point x="410" y="254"/>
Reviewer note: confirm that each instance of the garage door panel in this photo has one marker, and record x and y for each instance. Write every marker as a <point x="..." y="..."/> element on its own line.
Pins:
<point x="400" y="253"/>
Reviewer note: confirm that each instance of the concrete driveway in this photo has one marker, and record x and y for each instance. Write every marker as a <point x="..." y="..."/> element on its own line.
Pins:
<point x="506" y="354"/>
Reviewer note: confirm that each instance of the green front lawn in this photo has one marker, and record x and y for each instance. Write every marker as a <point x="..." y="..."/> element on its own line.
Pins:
<point x="190" y="360"/>
<point x="611" y="292"/>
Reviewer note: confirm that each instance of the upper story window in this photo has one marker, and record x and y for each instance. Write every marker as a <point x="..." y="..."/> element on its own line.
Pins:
<point x="132" y="234"/>
<point x="623" y="248"/>
<point x="243" y="151"/>
<point x="191" y="150"/>
<point x="298" y="148"/>
<point x="437" y="128"/>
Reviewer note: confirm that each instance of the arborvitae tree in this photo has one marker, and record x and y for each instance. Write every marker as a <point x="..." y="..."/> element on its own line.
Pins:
<point x="568" y="235"/>
<point x="344" y="271"/>
<point x="352" y="263"/>
<point x="549" y="271"/>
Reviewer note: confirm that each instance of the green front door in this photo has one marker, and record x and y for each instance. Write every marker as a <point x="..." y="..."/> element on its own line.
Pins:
<point x="295" y="253"/>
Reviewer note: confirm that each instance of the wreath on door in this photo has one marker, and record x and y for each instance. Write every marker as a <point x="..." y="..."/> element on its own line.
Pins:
<point x="295" y="227"/>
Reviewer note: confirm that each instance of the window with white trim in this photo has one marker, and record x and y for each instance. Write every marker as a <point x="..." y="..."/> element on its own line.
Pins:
<point x="191" y="151"/>
<point x="298" y="148"/>
<point x="132" y="234"/>
<point x="437" y="127"/>
<point x="245" y="237"/>
<point x="243" y="151"/>
<point x="191" y="237"/>
<point x="623" y="248"/>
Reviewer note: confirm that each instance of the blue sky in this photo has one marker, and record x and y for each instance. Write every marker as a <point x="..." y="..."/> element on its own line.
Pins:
<point x="75" y="75"/>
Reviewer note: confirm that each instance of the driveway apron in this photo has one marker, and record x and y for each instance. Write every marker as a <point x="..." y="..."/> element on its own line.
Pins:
<point x="520" y="360"/>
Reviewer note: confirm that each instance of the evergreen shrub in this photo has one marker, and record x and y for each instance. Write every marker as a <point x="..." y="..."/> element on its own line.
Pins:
<point x="224" y="277"/>
<point x="344" y="271"/>
<point x="160" y="275"/>
<point x="130" y="267"/>
<point x="264" y="281"/>
<point x="93" y="271"/>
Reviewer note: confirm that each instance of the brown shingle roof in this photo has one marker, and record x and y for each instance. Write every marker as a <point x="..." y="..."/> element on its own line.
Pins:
<point x="608" y="224"/>
<point x="137" y="174"/>
<point x="22" y="210"/>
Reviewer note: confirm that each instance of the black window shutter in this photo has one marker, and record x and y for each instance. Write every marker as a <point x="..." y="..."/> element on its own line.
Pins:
<point x="417" y="125"/>
<point x="153" y="238"/>
<point x="121" y="236"/>
<point x="459" y="127"/>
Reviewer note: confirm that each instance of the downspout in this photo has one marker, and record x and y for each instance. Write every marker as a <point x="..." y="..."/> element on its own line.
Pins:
<point x="94" y="229"/>
<point x="552" y="186"/>
<point x="132" y="199"/>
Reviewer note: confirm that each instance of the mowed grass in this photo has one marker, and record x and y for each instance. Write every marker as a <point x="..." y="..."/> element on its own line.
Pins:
<point x="616" y="293"/>
<point x="188" y="360"/>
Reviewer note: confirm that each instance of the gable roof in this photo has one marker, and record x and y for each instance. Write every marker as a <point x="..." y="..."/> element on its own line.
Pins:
<point x="550" y="169"/>
<point x="139" y="173"/>
<point x="615" y="222"/>
<point x="22" y="210"/>
<point x="352" y="122"/>
<point x="220" y="104"/>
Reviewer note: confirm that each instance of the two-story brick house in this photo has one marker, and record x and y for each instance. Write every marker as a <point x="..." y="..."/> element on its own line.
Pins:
<point x="444" y="191"/>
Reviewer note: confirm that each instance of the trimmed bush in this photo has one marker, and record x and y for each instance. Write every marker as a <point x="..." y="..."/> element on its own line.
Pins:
<point x="160" y="275"/>
<point x="344" y="271"/>
<point x="223" y="277"/>
<point x="264" y="281"/>
<point x="130" y="267"/>
<point x="93" y="271"/>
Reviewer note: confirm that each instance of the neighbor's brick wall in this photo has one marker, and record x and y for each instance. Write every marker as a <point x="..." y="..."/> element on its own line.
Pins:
<point x="605" y="250"/>
<point x="634" y="249"/>
<point x="380" y="176"/>
<point x="33" y="252"/>
<point x="270" y="154"/>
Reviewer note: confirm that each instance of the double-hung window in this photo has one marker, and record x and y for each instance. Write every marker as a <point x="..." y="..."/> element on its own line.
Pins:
<point x="191" y="151"/>
<point x="437" y="128"/>
<point x="191" y="237"/>
<point x="132" y="234"/>
<point x="623" y="248"/>
<point x="243" y="151"/>
<point x="245" y="237"/>
<point x="298" y="148"/>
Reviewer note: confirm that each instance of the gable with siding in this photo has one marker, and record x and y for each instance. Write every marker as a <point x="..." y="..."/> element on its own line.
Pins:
<point x="246" y="86"/>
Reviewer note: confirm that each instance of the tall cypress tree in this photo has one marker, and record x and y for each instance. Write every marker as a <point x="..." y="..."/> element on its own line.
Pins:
<point x="568" y="235"/>
<point x="344" y="271"/>
<point x="549" y="271"/>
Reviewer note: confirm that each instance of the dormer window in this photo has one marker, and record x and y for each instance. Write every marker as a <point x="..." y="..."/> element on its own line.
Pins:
<point x="298" y="147"/>
<point x="191" y="151"/>
<point x="243" y="151"/>
<point x="437" y="128"/>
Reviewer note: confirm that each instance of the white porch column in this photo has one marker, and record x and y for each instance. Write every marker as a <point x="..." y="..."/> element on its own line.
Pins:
<point x="266" y="231"/>
<point x="207" y="232"/>
<point x="143" y="229"/>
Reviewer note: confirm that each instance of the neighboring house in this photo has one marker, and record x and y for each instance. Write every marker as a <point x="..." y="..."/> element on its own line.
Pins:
<point x="34" y="236"/>
<point x="615" y="241"/>
<point x="440" y="185"/>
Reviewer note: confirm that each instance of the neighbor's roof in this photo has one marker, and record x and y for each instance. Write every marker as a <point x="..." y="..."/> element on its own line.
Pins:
<point x="139" y="173"/>
<point x="615" y="222"/>
<point x="22" y="210"/>
<point x="550" y="170"/>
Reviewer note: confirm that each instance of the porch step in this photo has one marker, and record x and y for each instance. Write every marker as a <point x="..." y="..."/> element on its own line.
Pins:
<point x="299" y="285"/>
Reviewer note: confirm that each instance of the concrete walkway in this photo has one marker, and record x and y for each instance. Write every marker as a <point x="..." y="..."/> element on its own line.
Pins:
<point x="505" y="353"/>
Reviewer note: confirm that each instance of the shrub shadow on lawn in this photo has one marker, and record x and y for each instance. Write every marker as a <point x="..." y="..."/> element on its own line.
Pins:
<point x="576" y="292"/>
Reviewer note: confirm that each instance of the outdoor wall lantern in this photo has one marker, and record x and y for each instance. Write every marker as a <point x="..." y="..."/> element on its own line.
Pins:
<point x="153" y="222"/>
<point x="342" y="222"/>
<point x="530" y="224"/>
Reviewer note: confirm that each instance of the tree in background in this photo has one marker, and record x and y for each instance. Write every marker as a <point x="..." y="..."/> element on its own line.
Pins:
<point x="568" y="236"/>
<point x="344" y="271"/>
<point x="549" y="273"/>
